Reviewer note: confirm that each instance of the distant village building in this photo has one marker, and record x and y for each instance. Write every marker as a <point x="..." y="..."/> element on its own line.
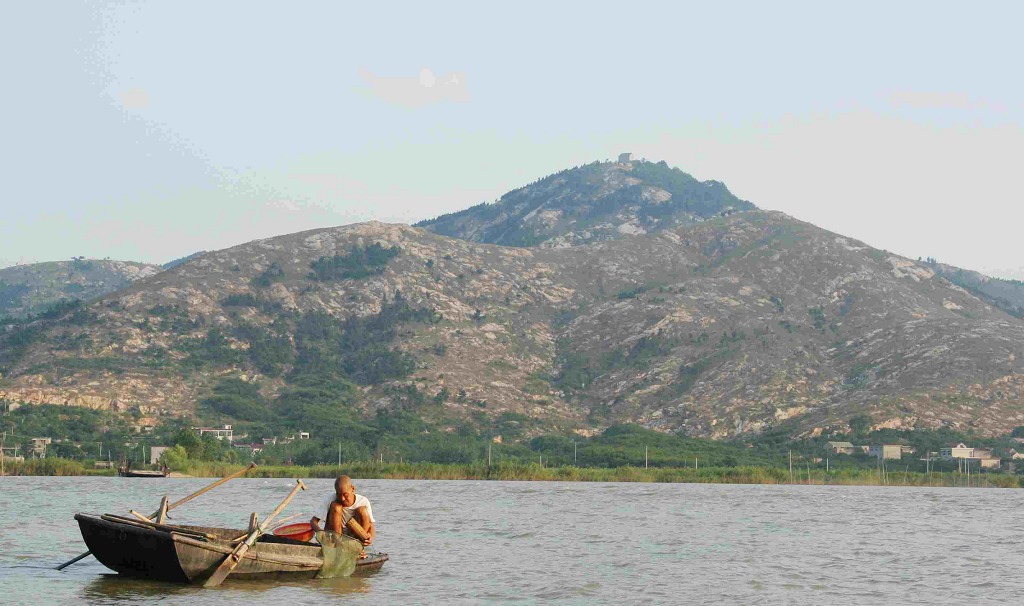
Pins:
<point x="626" y="157"/>
<point x="251" y="449"/>
<point x="39" y="446"/>
<point x="989" y="462"/>
<point x="841" y="448"/>
<point x="886" y="451"/>
<point x="982" y="456"/>
<point x="155" y="452"/>
<point x="985" y="458"/>
<point x="10" y="454"/>
<point x="302" y="435"/>
<point x="957" y="451"/>
<point x="224" y="432"/>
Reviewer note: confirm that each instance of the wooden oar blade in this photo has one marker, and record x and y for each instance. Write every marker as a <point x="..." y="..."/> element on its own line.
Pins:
<point x="233" y="558"/>
<point x="225" y="568"/>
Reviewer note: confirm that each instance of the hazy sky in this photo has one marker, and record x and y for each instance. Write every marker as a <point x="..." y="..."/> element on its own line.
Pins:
<point x="148" y="131"/>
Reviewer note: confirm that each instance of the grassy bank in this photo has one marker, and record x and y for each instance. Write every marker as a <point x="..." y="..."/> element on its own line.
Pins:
<point x="533" y="471"/>
<point x="53" y="467"/>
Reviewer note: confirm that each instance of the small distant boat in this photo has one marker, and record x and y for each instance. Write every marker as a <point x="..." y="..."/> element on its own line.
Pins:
<point x="190" y="554"/>
<point x="141" y="473"/>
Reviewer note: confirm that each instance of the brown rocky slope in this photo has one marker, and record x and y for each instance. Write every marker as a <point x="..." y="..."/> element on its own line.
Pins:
<point x="715" y="327"/>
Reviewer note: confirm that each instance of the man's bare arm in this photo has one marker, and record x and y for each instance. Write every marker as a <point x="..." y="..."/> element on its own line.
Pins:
<point x="367" y="524"/>
<point x="334" y="518"/>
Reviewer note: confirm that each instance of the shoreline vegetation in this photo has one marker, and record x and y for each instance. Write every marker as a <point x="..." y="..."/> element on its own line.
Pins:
<point x="513" y="471"/>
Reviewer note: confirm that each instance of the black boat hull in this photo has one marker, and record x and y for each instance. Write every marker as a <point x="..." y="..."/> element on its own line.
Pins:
<point x="182" y="557"/>
<point x="132" y="551"/>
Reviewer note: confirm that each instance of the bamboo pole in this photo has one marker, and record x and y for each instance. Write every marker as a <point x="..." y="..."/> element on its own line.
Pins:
<point x="162" y="514"/>
<point x="233" y="558"/>
<point x="211" y="487"/>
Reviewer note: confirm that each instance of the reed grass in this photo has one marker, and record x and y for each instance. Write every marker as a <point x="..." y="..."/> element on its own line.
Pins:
<point x="508" y="471"/>
<point x="52" y="467"/>
<point x="514" y="471"/>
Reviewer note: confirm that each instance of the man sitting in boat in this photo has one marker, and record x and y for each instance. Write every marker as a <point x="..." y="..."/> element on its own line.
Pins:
<point x="345" y="508"/>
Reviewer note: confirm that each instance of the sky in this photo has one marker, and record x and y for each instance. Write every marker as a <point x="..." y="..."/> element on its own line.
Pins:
<point x="149" y="131"/>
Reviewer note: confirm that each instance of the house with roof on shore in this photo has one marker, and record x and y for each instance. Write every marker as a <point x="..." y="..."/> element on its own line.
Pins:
<point x="886" y="451"/>
<point x="984" y="457"/>
<point x="841" y="448"/>
<point x="224" y="432"/>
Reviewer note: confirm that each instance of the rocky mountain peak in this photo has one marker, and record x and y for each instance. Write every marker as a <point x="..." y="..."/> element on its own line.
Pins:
<point x="595" y="202"/>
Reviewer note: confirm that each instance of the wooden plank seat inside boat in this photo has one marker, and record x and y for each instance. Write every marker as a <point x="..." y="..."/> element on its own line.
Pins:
<point x="189" y="554"/>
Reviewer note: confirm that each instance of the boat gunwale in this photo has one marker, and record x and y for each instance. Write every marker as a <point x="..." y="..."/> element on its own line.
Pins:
<point x="226" y="546"/>
<point x="253" y="554"/>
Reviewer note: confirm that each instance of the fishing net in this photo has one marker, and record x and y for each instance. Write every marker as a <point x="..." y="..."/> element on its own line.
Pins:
<point x="340" y="554"/>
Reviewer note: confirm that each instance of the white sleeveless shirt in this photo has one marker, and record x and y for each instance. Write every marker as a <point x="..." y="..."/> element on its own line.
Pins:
<point x="348" y="512"/>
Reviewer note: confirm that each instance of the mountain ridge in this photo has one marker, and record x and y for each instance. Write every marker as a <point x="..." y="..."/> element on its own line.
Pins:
<point x="728" y="325"/>
<point x="589" y="203"/>
<point x="32" y="288"/>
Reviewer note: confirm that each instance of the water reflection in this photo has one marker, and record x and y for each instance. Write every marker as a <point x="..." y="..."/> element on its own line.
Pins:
<point x="115" y="589"/>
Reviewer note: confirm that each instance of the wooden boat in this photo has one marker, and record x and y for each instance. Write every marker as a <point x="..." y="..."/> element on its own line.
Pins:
<point x="131" y="473"/>
<point x="190" y="554"/>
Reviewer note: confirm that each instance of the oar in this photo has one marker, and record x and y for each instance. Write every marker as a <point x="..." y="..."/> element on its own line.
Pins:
<point x="176" y="503"/>
<point x="238" y="553"/>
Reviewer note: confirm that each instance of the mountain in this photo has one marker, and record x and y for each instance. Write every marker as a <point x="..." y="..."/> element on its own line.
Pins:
<point x="1007" y="295"/>
<point x="592" y="203"/>
<point x="716" y="322"/>
<point x="27" y="289"/>
<point x="180" y="260"/>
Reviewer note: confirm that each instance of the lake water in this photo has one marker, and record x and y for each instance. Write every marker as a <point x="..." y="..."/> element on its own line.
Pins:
<point x="566" y="543"/>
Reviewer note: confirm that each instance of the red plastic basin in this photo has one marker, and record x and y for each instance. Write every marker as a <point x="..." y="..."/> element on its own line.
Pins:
<point x="298" y="532"/>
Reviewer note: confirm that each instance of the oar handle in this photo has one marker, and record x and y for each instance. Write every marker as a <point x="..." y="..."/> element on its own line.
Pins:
<point x="211" y="487"/>
<point x="70" y="562"/>
<point x="266" y="523"/>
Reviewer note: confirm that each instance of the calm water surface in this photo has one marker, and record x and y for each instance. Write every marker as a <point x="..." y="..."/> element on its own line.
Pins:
<point x="571" y="543"/>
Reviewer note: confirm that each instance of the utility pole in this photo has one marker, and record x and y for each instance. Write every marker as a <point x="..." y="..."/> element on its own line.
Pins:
<point x="574" y="452"/>
<point x="488" y="455"/>
<point x="791" y="467"/>
<point x="645" y="457"/>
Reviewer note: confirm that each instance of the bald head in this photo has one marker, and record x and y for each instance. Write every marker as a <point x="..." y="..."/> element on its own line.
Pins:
<point x="345" y="490"/>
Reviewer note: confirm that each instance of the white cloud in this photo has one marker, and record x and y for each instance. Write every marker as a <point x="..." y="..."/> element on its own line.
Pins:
<point x="134" y="98"/>
<point x="417" y="91"/>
